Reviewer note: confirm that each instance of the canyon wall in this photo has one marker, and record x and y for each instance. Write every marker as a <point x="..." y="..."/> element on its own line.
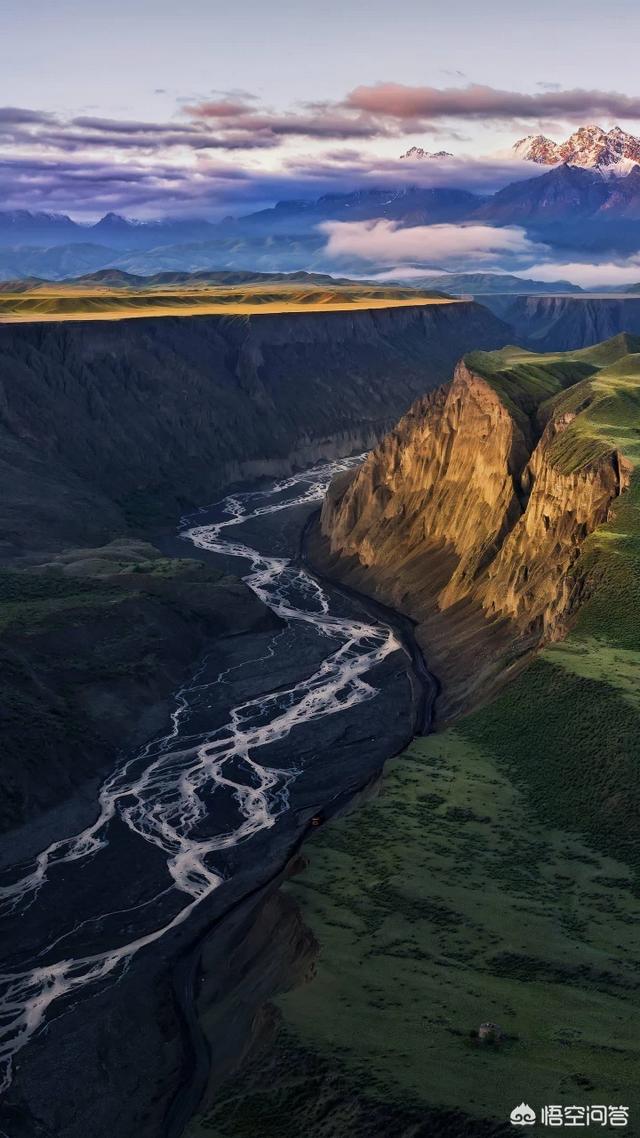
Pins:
<point x="561" y="323"/>
<point x="464" y="519"/>
<point x="109" y="429"/>
<point x="113" y="426"/>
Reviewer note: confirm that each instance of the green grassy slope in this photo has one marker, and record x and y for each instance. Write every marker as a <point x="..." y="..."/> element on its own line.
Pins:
<point x="496" y="876"/>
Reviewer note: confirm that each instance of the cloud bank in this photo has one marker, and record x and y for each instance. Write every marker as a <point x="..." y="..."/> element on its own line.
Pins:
<point x="419" y="250"/>
<point x="385" y="242"/>
<point x="189" y="162"/>
<point x="590" y="275"/>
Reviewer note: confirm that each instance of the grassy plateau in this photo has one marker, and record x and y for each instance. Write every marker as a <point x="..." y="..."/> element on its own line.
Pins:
<point x="97" y="300"/>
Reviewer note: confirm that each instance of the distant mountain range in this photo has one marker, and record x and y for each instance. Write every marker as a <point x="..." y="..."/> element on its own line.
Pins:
<point x="117" y="278"/>
<point x="491" y="285"/>
<point x="22" y="227"/>
<point x="574" y="207"/>
<point x="486" y="284"/>
<point x="612" y="151"/>
<point x="409" y="205"/>
<point x="566" y="193"/>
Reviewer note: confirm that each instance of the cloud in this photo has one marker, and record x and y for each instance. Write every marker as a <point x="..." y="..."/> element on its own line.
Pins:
<point x="219" y="109"/>
<point x="383" y="241"/>
<point x="312" y="148"/>
<point x="589" y="276"/>
<point x="42" y="160"/>
<point x="21" y="116"/>
<point x="477" y="101"/>
<point x="315" y="120"/>
<point x="478" y="175"/>
<point x="384" y="110"/>
<point x="147" y="188"/>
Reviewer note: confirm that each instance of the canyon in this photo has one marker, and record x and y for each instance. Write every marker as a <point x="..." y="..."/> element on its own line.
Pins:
<point x="108" y="433"/>
<point x="494" y="874"/>
<point x="280" y="722"/>
<point x="93" y="645"/>
<point x="471" y="517"/>
<point x="119" y="427"/>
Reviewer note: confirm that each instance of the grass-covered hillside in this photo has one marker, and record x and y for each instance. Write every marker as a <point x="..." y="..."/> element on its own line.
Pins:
<point x="497" y="875"/>
<point x="598" y="385"/>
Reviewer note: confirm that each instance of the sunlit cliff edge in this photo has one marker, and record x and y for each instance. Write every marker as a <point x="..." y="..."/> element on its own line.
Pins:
<point x="472" y="513"/>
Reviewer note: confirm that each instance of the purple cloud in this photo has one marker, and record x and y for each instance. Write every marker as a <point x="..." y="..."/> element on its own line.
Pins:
<point x="22" y="116"/>
<point x="46" y="159"/>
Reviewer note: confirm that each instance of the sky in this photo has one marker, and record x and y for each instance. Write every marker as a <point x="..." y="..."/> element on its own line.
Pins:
<point x="151" y="107"/>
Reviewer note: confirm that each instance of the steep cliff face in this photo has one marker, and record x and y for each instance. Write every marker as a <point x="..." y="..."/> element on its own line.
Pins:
<point x="528" y="581"/>
<point x="559" y="323"/>
<point x="471" y="515"/>
<point x="105" y="426"/>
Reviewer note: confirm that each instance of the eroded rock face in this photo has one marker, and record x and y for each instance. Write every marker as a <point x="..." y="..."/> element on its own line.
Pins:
<point x="426" y="481"/>
<point x="463" y="519"/>
<point x="528" y="580"/>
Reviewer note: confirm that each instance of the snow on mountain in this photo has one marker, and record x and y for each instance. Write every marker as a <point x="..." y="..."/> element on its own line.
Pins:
<point x="613" y="152"/>
<point x="418" y="152"/>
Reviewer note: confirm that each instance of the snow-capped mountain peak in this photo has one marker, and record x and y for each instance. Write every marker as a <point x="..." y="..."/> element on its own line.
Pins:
<point x="416" y="152"/>
<point x="613" y="152"/>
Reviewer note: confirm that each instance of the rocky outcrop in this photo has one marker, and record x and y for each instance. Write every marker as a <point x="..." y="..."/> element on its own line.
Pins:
<point x="113" y="426"/>
<point x="465" y="519"/>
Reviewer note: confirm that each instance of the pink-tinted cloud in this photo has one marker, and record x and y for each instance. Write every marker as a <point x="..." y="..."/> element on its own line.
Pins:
<point x="477" y="101"/>
<point x="394" y="109"/>
<point x="218" y="109"/>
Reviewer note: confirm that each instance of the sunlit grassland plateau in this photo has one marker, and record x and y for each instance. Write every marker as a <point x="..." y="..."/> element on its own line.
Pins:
<point x="92" y="300"/>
